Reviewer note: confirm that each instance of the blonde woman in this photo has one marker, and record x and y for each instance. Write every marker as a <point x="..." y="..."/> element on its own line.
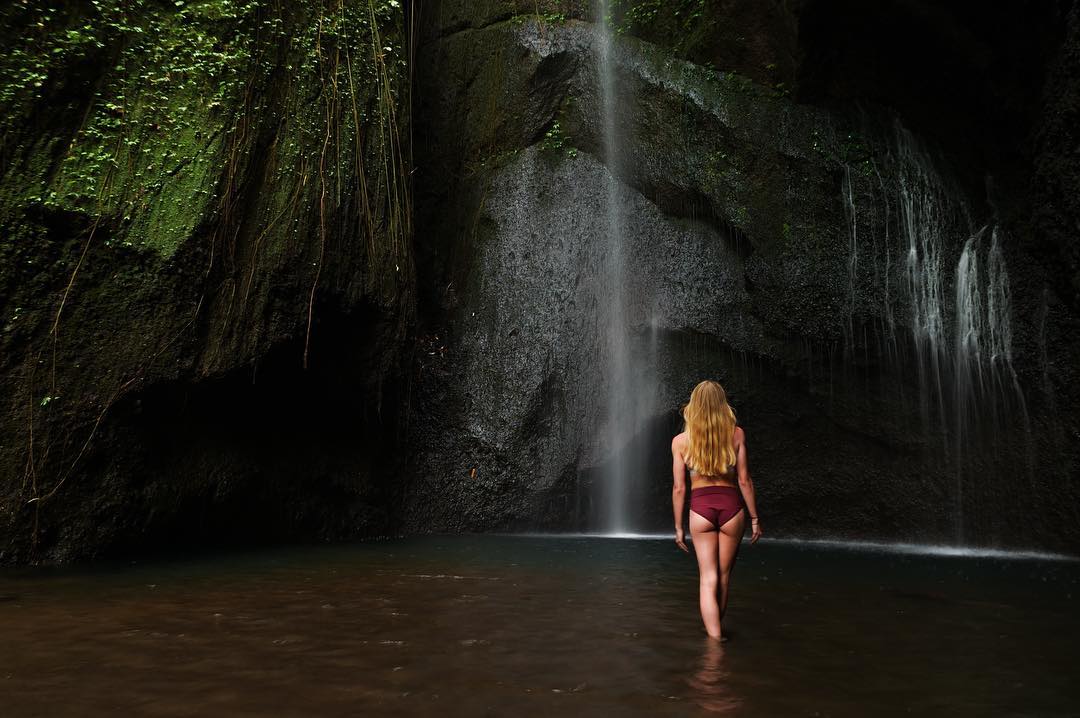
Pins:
<point x="721" y="494"/>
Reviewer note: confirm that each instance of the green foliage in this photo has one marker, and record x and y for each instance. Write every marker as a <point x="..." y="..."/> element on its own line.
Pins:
<point x="556" y="142"/>
<point x="148" y="123"/>
<point x="161" y="77"/>
<point x="853" y="150"/>
<point x="850" y="149"/>
<point x="544" y="18"/>
<point x="172" y="91"/>
<point x="631" y="16"/>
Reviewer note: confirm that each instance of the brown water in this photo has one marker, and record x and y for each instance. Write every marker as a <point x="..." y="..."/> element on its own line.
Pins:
<point x="499" y="625"/>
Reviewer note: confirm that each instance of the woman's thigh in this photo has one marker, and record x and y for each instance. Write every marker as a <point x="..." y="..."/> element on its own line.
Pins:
<point x="730" y="536"/>
<point x="704" y="536"/>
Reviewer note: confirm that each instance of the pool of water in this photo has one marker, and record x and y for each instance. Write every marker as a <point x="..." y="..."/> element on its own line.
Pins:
<point x="526" y="625"/>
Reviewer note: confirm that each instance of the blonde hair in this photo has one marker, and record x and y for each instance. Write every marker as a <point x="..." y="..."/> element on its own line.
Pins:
<point x="710" y="430"/>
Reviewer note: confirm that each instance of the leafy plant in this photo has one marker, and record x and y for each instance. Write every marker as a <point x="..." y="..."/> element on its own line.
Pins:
<point x="556" y="141"/>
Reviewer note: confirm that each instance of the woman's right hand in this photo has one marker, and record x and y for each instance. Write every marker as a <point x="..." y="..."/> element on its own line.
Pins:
<point x="680" y="539"/>
<point x="755" y="526"/>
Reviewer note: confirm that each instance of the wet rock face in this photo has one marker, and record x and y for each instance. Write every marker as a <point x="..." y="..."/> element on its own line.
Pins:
<point x="827" y="267"/>
<point x="529" y="347"/>
<point x="231" y="258"/>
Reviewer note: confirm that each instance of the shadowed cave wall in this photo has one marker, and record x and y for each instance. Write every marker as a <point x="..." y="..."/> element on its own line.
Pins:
<point x="736" y="177"/>
<point x="311" y="290"/>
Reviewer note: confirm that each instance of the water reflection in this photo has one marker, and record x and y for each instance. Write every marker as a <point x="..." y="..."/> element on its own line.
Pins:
<point x="711" y="686"/>
<point x="497" y="625"/>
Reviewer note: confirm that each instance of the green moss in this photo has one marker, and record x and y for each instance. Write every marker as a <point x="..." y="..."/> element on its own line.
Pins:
<point x="263" y="134"/>
<point x="144" y="154"/>
<point x="169" y="118"/>
<point x="722" y="179"/>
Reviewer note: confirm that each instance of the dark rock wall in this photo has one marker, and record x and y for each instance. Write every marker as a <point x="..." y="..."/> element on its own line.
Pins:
<point x="206" y="274"/>
<point x="217" y="323"/>
<point x="1053" y="228"/>
<point x="768" y="206"/>
<point x="967" y="75"/>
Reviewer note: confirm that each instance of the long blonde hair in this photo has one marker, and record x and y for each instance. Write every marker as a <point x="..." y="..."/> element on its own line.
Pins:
<point x="710" y="430"/>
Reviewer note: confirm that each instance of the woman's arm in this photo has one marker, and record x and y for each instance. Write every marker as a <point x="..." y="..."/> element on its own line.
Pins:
<point x="678" y="491"/>
<point x="746" y="486"/>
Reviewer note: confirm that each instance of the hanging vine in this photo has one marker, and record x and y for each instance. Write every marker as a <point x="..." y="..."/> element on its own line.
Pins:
<point x="167" y="143"/>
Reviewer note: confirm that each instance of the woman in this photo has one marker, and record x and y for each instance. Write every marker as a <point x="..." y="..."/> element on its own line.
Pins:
<point x="721" y="494"/>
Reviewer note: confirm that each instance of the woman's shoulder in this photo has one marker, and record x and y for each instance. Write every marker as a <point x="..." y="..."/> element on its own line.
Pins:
<point x="679" y="441"/>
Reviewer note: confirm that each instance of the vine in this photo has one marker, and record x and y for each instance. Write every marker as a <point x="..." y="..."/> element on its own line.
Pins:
<point x="175" y="113"/>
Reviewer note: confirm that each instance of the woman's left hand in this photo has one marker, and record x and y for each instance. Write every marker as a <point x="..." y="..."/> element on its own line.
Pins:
<point x="680" y="539"/>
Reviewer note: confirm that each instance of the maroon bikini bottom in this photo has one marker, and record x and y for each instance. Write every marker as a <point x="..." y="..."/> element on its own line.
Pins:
<point x="719" y="504"/>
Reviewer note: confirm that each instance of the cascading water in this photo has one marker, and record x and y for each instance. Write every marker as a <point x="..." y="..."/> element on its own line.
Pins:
<point x="853" y="236"/>
<point x="983" y="371"/>
<point x="962" y="351"/>
<point x="925" y="209"/>
<point x="630" y="385"/>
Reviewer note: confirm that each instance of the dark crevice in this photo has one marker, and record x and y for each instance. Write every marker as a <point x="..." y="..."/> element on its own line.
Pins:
<point x="463" y="26"/>
<point x="263" y="453"/>
<point x="967" y="74"/>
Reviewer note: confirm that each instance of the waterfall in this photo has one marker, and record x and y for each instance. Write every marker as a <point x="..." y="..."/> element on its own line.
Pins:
<point x="962" y="349"/>
<point x="972" y="331"/>
<point x="999" y="344"/>
<point x="967" y="357"/>
<point x="631" y="382"/>
<point x="924" y="211"/>
<point x="852" y="217"/>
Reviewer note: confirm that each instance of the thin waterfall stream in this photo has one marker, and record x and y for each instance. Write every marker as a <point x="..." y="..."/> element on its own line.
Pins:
<point x="630" y="385"/>
<point x="959" y="321"/>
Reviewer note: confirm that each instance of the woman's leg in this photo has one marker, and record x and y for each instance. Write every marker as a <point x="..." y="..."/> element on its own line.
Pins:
<point x="730" y="537"/>
<point x="704" y="535"/>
